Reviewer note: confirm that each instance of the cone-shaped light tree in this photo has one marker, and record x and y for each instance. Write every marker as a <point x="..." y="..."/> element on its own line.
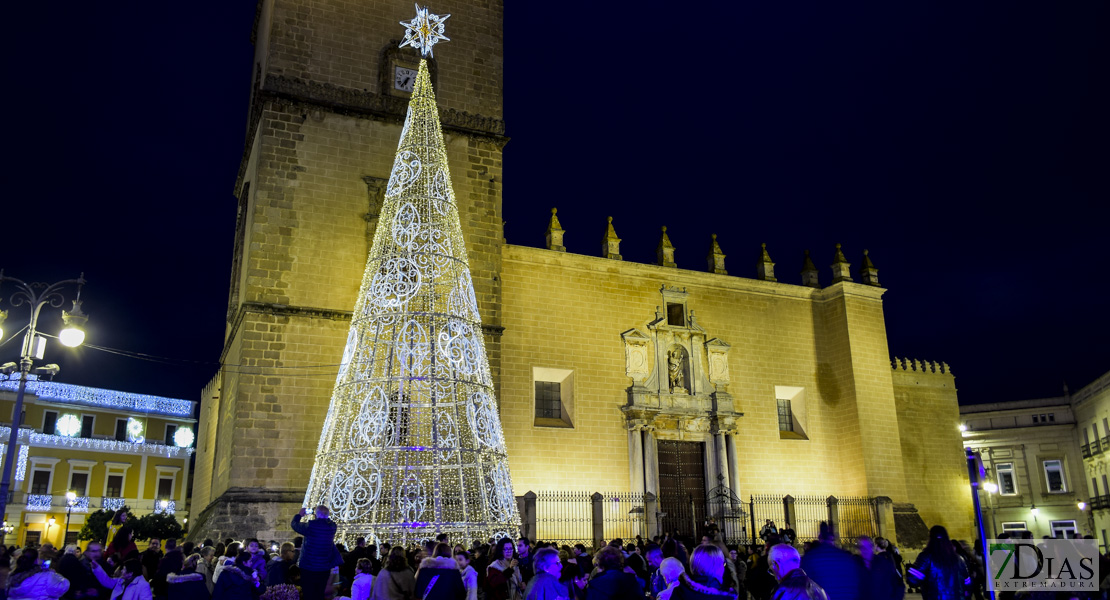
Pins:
<point x="412" y="443"/>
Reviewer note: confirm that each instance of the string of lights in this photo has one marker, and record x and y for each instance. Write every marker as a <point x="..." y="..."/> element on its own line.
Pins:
<point x="412" y="443"/>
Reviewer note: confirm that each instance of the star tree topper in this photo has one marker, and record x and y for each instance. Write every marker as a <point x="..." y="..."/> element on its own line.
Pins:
<point x="425" y="31"/>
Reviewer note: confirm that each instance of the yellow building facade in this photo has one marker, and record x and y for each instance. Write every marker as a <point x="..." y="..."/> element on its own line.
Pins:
<point x="108" y="448"/>
<point x="606" y="370"/>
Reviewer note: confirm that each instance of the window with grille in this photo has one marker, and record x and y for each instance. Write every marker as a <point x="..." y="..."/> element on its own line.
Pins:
<point x="549" y="400"/>
<point x="786" y="418"/>
<point x="40" y="482"/>
<point x="1007" y="484"/>
<point x="1054" y="476"/>
<point x="115" y="486"/>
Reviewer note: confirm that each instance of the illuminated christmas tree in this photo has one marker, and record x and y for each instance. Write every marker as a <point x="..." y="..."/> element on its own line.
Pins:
<point x="412" y="443"/>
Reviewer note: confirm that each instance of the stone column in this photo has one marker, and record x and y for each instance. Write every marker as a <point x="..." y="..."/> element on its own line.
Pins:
<point x="635" y="459"/>
<point x="722" y="459"/>
<point x="651" y="461"/>
<point x="885" y="508"/>
<point x="733" y="467"/>
<point x="528" y="515"/>
<point x="597" y="518"/>
<point x="651" y="514"/>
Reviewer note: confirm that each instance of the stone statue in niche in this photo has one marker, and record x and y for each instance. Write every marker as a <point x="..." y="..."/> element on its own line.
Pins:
<point x="676" y="367"/>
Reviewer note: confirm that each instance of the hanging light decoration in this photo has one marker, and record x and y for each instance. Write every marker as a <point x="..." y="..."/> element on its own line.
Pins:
<point x="183" y="437"/>
<point x="68" y="425"/>
<point x="135" y="431"/>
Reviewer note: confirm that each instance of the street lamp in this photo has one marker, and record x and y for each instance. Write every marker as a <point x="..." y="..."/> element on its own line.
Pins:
<point x="37" y="295"/>
<point x="71" y="499"/>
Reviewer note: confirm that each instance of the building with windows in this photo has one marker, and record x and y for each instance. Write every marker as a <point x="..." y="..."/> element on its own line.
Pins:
<point x="1092" y="420"/>
<point x="611" y="376"/>
<point x="1036" y="478"/>
<point x="81" y="449"/>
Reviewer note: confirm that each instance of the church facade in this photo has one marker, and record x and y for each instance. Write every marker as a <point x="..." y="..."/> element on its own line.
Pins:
<point x="608" y="372"/>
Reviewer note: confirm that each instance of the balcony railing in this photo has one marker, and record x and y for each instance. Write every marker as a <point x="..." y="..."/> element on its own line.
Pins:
<point x="1086" y="450"/>
<point x="1106" y="443"/>
<point x="109" y="503"/>
<point x="48" y="502"/>
<point x="1100" y="502"/>
<point x="1096" y="448"/>
<point x="32" y="437"/>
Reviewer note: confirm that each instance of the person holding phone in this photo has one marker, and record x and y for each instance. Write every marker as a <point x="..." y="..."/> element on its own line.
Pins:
<point x="32" y="579"/>
<point x="130" y="585"/>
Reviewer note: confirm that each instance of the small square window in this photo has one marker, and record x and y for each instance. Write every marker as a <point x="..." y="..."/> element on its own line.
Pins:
<point x="791" y="412"/>
<point x="121" y="430"/>
<point x="676" y="314"/>
<point x="1013" y="526"/>
<point x="1034" y="418"/>
<point x="40" y="482"/>
<point x="115" y="486"/>
<point x="1051" y="417"/>
<point x="79" y="483"/>
<point x="165" y="488"/>
<point x="548" y="403"/>
<point x="553" y="399"/>
<point x="786" y="419"/>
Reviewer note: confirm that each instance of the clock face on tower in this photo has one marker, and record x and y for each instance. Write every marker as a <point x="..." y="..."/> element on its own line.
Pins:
<point x="404" y="78"/>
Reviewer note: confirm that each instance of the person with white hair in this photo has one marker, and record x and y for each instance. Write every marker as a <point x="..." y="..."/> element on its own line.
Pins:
<point x="794" y="584"/>
<point x="672" y="571"/>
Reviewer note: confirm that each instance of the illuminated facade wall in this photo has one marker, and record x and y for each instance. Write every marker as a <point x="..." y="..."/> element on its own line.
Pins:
<point x="71" y="439"/>
<point x="326" y="116"/>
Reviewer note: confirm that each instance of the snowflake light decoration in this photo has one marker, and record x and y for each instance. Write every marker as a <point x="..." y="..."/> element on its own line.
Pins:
<point x="425" y="31"/>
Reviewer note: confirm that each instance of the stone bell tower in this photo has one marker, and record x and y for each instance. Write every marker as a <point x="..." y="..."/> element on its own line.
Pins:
<point x="329" y="91"/>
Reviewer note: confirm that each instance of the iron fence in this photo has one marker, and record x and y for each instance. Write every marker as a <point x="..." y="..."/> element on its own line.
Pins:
<point x="623" y="516"/>
<point x="564" y="517"/>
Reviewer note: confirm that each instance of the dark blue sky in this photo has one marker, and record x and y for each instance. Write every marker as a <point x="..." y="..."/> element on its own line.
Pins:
<point x="965" y="146"/>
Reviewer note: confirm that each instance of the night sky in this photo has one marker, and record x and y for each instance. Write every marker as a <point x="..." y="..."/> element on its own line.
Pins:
<point x="965" y="146"/>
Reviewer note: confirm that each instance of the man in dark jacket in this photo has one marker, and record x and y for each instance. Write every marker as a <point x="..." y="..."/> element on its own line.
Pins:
<point x="82" y="583"/>
<point x="347" y="571"/>
<point x="151" y="557"/>
<point x="282" y="569"/>
<point x="318" y="552"/>
<point x="171" y="563"/>
<point x="835" y="570"/>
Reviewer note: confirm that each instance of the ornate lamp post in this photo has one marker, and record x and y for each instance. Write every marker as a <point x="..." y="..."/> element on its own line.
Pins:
<point x="36" y="295"/>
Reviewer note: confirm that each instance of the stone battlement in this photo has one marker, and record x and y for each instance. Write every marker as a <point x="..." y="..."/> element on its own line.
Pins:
<point x="920" y="366"/>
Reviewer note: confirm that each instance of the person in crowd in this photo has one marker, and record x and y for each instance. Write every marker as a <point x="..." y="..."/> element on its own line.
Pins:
<point x="350" y="562"/>
<point x="94" y="552"/>
<point x="612" y="582"/>
<point x="257" y="560"/>
<point x="363" y="581"/>
<point x="656" y="581"/>
<point x="186" y="583"/>
<point x="635" y="561"/>
<point x="375" y="562"/>
<point x="834" y="569"/>
<point x="29" y="581"/>
<point x="672" y="572"/>
<point x="237" y="581"/>
<point x="82" y="583"/>
<point x="123" y="544"/>
<point x="395" y="581"/>
<point x="768" y="530"/>
<point x="151" y="557"/>
<point x="546" y="584"/>
<point x="793" y="583"/>
<point x="224" y="561"/>
<point x="170" y="563"/>
<point x="318" y="553"/>
<point x="761" y="583"/>
<point x="207" y="565"/>
<point x="524" y="557"/>
<point x="583" y="559"/>
<point x="503" y="580"/>
<point x="130" y="585"/>
<point x="974" y="568"/>
<point x="939" y="571"/>
<point x="469" y="575"/>
<point x="438" y="577"/>
<point x="891" y="552"/>
<point x="881" y="580"/>
<point x="118" y="520"/>
<point x="282" y="567"/>
<point x="298" y="542"/>
<point x="787" y="534"/>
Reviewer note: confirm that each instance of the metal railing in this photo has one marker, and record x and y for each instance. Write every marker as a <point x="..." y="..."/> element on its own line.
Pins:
<point x="564" y="517"/>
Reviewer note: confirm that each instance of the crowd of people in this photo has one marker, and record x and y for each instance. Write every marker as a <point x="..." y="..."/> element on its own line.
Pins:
<point x="312" y="566"/>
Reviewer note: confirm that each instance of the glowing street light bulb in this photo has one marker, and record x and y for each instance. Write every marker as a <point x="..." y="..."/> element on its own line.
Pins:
<point x="68" y="425"/>
<point x="1036" y="511"/>
<point x="991" y="487"/>
<point x="183" y="437"/>
<point x="1082" y="505"/>
<point x="73" y="334"/>
<point x="71" y="496"/>
<point x="164" y="504"/>
<point x="963" y="427"/>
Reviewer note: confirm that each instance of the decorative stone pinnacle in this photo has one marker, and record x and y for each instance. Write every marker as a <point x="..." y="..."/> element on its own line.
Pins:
<point x="610" y="244"/>
<point x="868" y="273"/>
<point x="555" y="233"/>
<point x="765" y="268"/>
<point x="809" y="272"/>
<point x="716" y="257"/>
<point x="664" y="252"/>
<point x="841" y="269"/>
